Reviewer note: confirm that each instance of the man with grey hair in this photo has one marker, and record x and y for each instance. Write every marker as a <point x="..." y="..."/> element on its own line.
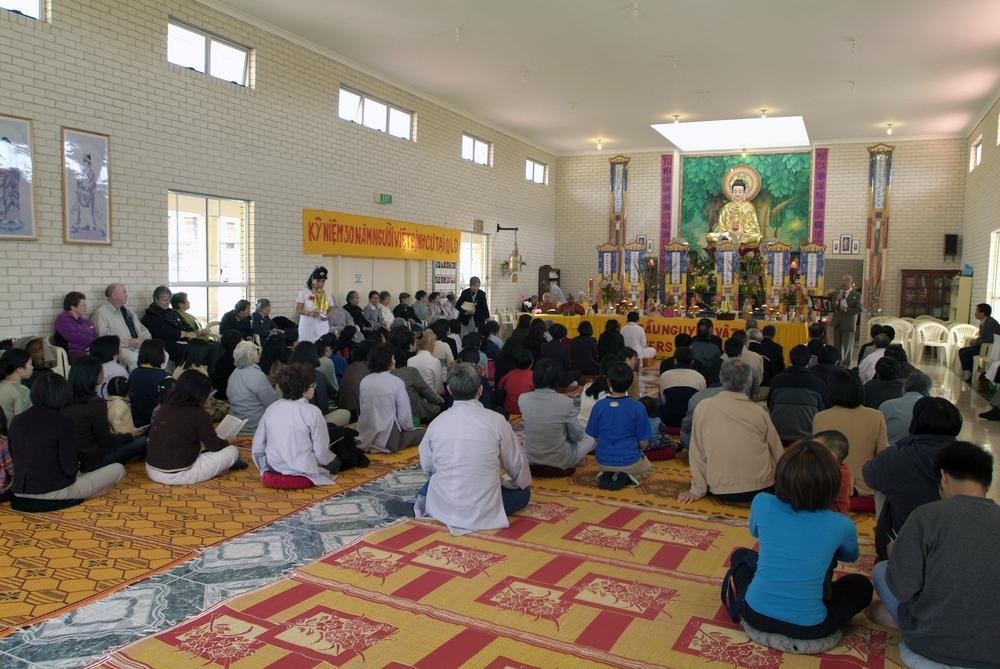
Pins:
<point x="846" y="309"/>
<point x="899" y="412"/>
<point x="734" y="445"/>
<point x="464" y="454"/>
<point x="114" y="318"/>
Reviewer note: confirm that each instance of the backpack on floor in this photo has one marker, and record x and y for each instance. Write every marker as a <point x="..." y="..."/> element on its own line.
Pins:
<point x="732" y="599"/>
<point x="343" y="442"/>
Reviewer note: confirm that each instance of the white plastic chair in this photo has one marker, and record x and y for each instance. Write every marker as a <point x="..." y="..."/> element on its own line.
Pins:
<point x="988" y="360"/>
<point x="957" y="335"/>
<point x="929" y="333"/>
<point x="904" y="334"/>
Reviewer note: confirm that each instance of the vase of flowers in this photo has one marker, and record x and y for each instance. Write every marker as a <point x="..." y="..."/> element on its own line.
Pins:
<point x="610" y="293"/>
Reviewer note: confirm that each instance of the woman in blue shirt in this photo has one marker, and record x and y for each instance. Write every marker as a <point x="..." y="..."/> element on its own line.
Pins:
<point x="801" y="539"/>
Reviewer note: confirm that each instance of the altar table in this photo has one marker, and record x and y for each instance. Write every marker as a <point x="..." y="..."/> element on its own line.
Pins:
<point x="660" y="330"/>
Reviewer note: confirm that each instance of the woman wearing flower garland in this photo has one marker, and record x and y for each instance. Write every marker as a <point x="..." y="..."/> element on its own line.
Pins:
<point x="313" y="307"/>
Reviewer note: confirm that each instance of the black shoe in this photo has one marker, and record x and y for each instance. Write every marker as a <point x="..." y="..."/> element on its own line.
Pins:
<point x="238" y="465"/>
<point x="398" y="507"/>
<point x="992" y="414"/>
<point x="613" y="480"/>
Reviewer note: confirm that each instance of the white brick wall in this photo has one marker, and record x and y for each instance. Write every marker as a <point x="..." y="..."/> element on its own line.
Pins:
<point x="101" y="66"/>
<point x="982" y="205"/>
<point x="927" y="202"/>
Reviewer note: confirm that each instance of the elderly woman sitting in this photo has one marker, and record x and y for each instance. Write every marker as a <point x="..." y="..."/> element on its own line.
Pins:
<point x="260" y="320"/>
<point x="386" y="421"/>
<point x="74" y="326"/>
<point x="291" y="447"/>
<point x="238" y="319"/>
<point x="248" y="390"/>
<point x="165" y="324"/>
<point x="181" y="304"/>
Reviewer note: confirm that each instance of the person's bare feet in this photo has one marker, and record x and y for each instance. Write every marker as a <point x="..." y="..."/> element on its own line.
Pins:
<point x="878" y="613"/>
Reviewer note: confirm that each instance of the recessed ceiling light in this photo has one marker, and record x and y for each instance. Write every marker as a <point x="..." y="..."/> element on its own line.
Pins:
<point x="888" y="129"/>
<point x="736" y="134"/>
<point x="600" y="144"/>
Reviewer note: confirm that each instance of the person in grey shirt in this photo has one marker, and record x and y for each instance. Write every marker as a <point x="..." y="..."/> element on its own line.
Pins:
<point x="552" y="432"/>
<point x="899" y="412"/>
<point x="940" y="584"/>
<point x="248" y="390"/>
<point x="422" y="307"/>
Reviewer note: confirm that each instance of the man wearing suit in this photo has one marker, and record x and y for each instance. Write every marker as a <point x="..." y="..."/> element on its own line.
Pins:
<point x="988" y="328"/>
<point x="472" y="309"/>
<point x="774" y="351"/>
<point x="847" y="306"/>
<point x="114" y="318"/>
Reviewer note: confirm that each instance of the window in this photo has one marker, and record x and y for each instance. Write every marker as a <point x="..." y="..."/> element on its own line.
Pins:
<point x="976" y="153"/>
<point x="207" y="244"/>
<point x="375" y="114"/>
<point x="473" y="259"/>
<point x="477" y="150"/>
<point x="534" y="171"/>
<point x="29" y="8"/>
<point x="203" y="52"/>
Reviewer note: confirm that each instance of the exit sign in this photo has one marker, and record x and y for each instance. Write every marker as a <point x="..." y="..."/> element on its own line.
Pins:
<point x="383" y="198"/>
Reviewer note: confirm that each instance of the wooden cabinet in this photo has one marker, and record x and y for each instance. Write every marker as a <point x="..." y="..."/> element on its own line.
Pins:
<point x="926" y="293"/>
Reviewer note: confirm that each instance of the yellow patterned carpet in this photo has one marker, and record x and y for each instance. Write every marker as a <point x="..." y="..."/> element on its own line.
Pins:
<point x="53" y="562"/>
<point x="571" y="583"/>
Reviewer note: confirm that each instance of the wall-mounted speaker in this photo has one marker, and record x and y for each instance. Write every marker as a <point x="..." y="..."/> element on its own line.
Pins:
<point x="951" y="245"/>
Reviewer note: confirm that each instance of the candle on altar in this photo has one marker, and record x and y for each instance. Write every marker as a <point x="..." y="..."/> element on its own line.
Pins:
<point x="590" y="287"/>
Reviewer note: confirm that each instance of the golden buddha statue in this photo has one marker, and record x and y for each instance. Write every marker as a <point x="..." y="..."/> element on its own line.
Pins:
<point x="737" y="220"/>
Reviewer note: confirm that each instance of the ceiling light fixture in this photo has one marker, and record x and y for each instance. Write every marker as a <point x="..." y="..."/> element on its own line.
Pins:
<point x="600" y="144"/>
<point x="888" y="129"/>
<point x="677" y="119"/>
<point x="736" y="134"/>
<point x="763" y="113"/>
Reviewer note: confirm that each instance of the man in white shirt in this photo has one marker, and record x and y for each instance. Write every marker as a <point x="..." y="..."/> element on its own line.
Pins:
<point x="114" y="318"/>
<point x="635" y="337"/>
<point x="464" y="453"/>
<point x="866" y="369"/>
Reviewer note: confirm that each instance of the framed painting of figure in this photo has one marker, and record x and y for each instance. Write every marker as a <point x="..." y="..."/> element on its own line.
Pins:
<point x="17" y="180"/>
<point x="86" y="188"/>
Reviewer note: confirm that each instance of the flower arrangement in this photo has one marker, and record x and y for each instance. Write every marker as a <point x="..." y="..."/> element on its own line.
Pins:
<point x="752" y="277"/>
<point x="701" y="274"/>
<point x="793" y="296"/>
<point x="610" y="291"/>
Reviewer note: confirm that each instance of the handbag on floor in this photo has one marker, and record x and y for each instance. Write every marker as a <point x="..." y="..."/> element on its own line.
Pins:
<point x="343" y="442"/>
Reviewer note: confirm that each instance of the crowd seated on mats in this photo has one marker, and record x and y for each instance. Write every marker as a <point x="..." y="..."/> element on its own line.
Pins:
<point x="806" y="443"/>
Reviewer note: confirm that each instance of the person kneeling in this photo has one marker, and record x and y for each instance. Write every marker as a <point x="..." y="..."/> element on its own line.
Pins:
<point x="464" y="452"/>
<point x="801" y="538"/>
<point x="43" y="445"/>
<point x="940" y="584"/>
<point x="291" y="446"/>
<point x="621" y="427"/>
<point x="181" y="429"/>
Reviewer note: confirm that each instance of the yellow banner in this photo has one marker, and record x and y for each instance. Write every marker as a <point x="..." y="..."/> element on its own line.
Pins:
<point x="337" y="233"/>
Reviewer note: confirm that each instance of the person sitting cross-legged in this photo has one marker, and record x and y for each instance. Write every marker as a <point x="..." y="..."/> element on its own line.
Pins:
<point x="734" y="445"/>
<point x="621" y="427"/>
<point x="898" y="413"/>
<point x="386" y="421"/>
<point x="248" y="390"/>
<point x="465" y="453"/>
<point x="801" y="539"/>
<point x="552" y="432"/>
<point x="183" y="445"/>
<point x="291" y="446"/>
<point x="940" y="583"/>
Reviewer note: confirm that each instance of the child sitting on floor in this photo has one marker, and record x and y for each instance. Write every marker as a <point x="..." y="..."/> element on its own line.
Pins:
<point x="661" y="445"/>
<point x="839" y="446"/>
<point x="119" y="408"/>
<point x="621" y="427"/>
<point x="635" y="364"/>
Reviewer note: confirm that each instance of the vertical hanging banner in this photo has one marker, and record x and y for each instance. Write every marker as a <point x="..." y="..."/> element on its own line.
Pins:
<point x="727" y="269"/>
<point x="778" y="258"/>
<point x="811" y="267"/>
<point x="618" y="199"/>
<point x="820" y="161"/>
<point x="676" y="269"/>
<point x="607" y="260"/>
<point x="879" y="192"/>
<point x="666" y="203"/>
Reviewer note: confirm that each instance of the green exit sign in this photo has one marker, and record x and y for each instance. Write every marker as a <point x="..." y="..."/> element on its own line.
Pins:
<point x="384" y="198"/>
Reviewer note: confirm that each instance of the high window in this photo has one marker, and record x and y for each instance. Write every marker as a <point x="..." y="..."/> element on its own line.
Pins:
<point x="208" y="257"/>
<point x="473" y="259"/>
<point x="372" y="113"/>
<point x="477" y="150"/>
<point x="203" y="52"/>
<point x="976" y="153"/>
<point x="29" y="8"/>
<point x="534" y="171"/>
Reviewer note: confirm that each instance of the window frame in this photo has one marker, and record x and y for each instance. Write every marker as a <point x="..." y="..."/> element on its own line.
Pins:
<point x="489" y="150"/>
<point x="389" y="108"/>
<point x="208" y="285"/>
<point x="534" y="165"/>
<point x="976" y="153"/>
<point x="211" y="37"/>
<point x="17" y="12"/>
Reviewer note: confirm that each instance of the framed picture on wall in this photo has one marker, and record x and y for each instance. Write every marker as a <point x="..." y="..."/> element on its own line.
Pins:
<point x="641" y="239"/>
<point x="86" y="188"/>
<point x="17" y="180"/>
<point x="836" y="246"/>
<point x="856" y="246"/>
<point x="649" y="246"/>
<point x="845" y="243"/>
